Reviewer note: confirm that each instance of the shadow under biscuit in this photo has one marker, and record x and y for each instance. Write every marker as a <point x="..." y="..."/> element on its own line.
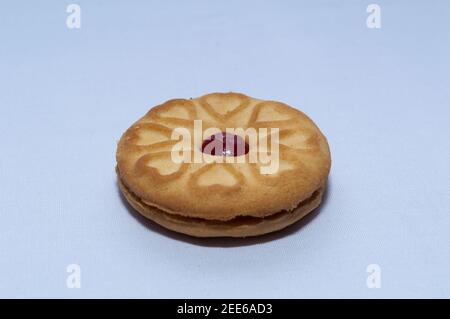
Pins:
<point x="228" y="242"/>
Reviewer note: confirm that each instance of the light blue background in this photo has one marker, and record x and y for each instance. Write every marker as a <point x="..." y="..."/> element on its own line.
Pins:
<point x="380" y="95"/>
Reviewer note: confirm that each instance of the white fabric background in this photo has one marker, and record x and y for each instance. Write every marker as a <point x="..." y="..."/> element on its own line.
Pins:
<point x="381" y="97"/>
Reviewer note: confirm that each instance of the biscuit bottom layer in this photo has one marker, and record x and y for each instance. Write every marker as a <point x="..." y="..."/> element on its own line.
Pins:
<point x="240" y="226"/>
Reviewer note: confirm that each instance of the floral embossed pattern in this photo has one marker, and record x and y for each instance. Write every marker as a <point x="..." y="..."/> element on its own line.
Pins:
<point x="222" y="191"/>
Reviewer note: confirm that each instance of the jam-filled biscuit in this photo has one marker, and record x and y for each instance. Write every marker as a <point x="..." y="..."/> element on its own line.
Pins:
<point x="223" y="164"/>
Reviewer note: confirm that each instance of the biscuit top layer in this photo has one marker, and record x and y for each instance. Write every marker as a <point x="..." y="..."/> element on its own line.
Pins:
<point x="222" y="191"/>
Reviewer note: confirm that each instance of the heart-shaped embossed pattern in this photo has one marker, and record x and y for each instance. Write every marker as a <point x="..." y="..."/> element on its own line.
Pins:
<point x="214" y="178"/>
<point x="221" y="108"/>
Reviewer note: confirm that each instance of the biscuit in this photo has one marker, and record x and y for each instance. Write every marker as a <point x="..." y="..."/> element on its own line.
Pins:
<point x="232" y="199"/>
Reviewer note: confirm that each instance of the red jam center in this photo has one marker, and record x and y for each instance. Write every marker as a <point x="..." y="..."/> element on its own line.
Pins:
<point x="224" y="144"/>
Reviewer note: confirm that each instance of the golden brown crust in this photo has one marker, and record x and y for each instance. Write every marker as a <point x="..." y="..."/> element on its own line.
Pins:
<point x="237" y="227"/>
<point x="239" y="189"/>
